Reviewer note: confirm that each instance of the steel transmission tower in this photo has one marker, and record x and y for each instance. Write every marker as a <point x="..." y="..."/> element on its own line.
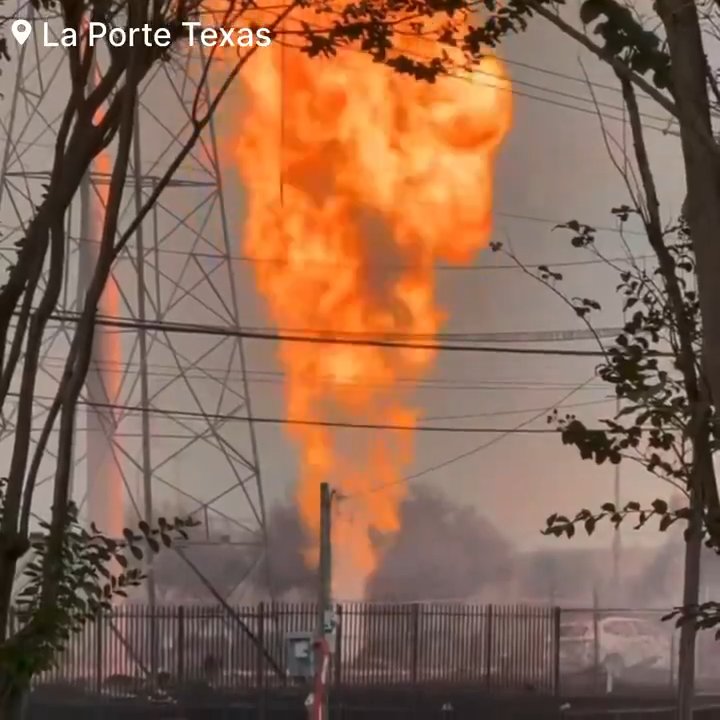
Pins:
<point x="163" y="424"/>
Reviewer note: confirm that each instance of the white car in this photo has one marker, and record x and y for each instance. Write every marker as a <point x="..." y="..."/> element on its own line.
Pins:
<point x="623" y="643"/>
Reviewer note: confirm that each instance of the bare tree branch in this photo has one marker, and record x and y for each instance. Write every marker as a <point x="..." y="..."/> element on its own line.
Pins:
<point x="83" y="341"/>
<point x="617" y="65"/>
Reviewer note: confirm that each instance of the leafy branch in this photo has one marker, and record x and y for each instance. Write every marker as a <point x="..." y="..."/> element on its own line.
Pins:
<point x="93" y="569"/>
<point x="702" y="616"/>
<point x="561" y="525"/>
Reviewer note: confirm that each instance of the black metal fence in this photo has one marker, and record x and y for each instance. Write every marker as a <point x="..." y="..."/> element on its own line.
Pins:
<point x="498" y="647"/>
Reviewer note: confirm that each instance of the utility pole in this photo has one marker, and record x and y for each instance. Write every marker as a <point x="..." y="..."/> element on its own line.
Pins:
<point x="325" y="567"/>
<point x="324" y="627"/>
<point x="324" y="591"/>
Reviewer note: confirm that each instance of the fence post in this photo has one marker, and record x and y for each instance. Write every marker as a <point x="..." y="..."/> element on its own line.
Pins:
<point x="181" y="643"/>
<point x="596" y="642"/>
<point x="488" y="644"/>
<point x="259" y="665"/>
<point x="556" y="651"/>
<point x="415" y="647"/>
<point x="99" y="650"/>
<point x="260" y="660"/>
<point x="673" y="650"/>
<point x="337" y="657"/>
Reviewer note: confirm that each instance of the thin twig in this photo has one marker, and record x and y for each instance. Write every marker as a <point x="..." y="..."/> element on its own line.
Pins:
<point x="558" y="293"/>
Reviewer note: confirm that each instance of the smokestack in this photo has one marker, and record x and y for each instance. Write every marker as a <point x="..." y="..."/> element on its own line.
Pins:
<point x="105" y="496"/>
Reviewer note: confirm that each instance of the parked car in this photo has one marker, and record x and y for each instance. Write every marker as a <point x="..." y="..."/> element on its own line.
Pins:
<point x="623" y="643"/>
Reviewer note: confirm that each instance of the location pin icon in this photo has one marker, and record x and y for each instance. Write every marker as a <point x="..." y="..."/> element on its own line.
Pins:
<point x="21" y="30"/>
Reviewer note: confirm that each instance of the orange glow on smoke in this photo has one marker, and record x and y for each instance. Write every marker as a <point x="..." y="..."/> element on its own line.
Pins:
<point x="106" y="497"/>
<point x="359" y="180"/>
<point x="108" y="355"/>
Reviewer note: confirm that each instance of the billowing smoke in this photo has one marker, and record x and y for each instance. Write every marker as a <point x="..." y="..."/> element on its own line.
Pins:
<point x="444" y="549"/>
<point x="441" y="545"/>
<point x="287" y="537"/>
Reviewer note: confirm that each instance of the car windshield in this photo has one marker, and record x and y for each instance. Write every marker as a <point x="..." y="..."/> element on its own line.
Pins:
<point x="573" y="631"/>
<point x="643" y="627"/>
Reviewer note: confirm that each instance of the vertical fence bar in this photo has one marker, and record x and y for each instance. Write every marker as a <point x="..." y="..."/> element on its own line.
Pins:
<point x="556" y="651"/>
<point x="180" y="644"/>
<point x="673" y="641"/>
<point x="414" y="642"/>
<point x="99" y="652"/>
<point x="596" y="644"/>
<point x="260" y="666"/>
<point x="488" y="644"/>
<point x="260" y="647"/>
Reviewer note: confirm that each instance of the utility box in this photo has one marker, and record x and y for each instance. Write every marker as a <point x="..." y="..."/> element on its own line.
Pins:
<point x="300" y="655"/>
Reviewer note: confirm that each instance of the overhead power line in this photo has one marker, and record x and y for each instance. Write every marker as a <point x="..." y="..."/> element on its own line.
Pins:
<point x="518" y="429"/>
<point x="442" y="267"/>
<point x="564" y="76"/>
<point x="177" y="413"/>
<point x="277" y="377"/>
<point x="597" y="106"/>
<point x="521" y="411"/>
<point x="131" y="409"/>
<point x="327" y="339"/>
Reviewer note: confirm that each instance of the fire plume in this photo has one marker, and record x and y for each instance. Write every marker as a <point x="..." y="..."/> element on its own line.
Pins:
<point x="359" y="180"/>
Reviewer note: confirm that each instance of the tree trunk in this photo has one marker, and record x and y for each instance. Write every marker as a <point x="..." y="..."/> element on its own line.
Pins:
<point x="688" y="633"/>
<point x="703" y="473"/>
<point x="14" y="703"/>
<point x="702" y="171"/>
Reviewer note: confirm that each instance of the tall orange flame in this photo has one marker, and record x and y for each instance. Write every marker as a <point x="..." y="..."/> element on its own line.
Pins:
<point x="359" y="180"/>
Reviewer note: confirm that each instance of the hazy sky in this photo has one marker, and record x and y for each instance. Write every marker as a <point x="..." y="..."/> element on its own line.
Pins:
<point x="553" y="167"/>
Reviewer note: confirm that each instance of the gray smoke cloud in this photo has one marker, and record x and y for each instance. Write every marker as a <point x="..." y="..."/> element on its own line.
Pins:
<point x="444" y="551"/>
<point x="441" y="545"/>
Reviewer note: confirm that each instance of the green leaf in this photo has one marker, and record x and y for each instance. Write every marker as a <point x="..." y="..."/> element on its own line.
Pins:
<point x="660" y="506"/>
<point x="154" y="544"/>
<point x="590" y="11"/>
<point x="137" y="552"/>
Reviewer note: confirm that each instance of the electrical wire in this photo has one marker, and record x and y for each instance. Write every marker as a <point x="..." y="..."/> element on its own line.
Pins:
<point x="595" y="111"/>
<point x="274" y="377"/>
<point x="532" y="336"/>
<point x="524" y="411"/>
<point x="268" y="420"/>
<point x="565" y="76"/>
<point x="170" y="412"/>
<point x="397" y="266"/>
<point x="560" y="93"/>
<point x="328" y="339"/>
<point x="520" y="428"/>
